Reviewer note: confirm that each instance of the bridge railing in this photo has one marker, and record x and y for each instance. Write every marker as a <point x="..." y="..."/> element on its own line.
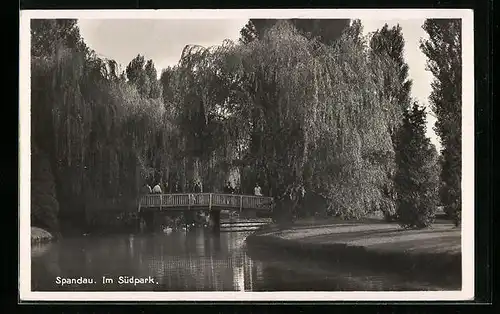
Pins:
<point x="193" y="200"/>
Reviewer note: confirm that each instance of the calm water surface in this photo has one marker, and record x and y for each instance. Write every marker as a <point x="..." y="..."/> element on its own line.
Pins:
<point x="193" y="261"/>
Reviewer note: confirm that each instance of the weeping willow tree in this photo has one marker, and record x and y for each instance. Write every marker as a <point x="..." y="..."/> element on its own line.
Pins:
<point x="320" y="118"/>
<point x="300" y="114"/>
<point x="103" y="138"/>
<point x="202" y="89"/>
<point x="288" y="112"/>
<point x="354" y="137"/>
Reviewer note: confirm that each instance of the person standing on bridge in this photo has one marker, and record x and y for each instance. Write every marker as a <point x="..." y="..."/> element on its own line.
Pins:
<point x="177" y="188"/>
<point x="257" y="191"/>
<point x="146" y="189"/>
<point x="157" y="189"/>
<point x="227" y="188"/>
<point x="197" y="187"/>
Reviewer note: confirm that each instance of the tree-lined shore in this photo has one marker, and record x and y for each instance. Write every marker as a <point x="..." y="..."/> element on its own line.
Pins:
<point x="295" y="105"/>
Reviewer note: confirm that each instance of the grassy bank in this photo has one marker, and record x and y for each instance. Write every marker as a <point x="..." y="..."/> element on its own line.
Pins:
<point x="432" y="254"/>
<point x="39" y="235"/>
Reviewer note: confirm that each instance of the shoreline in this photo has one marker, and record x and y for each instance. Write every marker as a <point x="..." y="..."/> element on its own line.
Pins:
<point x="429" y="254"/>
<point x="39" y="235"/>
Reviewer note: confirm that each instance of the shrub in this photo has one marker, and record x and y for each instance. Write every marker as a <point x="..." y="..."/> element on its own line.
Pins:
<point x="44" y="204"/>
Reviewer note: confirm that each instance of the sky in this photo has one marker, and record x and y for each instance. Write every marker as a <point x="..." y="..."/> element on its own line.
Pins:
<point x="163" y="40"/>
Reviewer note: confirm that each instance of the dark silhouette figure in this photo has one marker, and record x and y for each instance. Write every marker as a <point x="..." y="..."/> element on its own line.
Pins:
<point x="197" y="187"/>
<point x="228" y="189"/>
<point x="146" y="189"/>
<point x="177" y="187"/>
<point x="237" y="189"/>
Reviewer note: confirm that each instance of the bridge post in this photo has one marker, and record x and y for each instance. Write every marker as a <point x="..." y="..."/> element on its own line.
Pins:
<point x="241" y="202"/>
<point x="138" y="223"/>
<point x="215" y="220"/>
<point x="210" y="202"/>
<point x="148" y="220"/>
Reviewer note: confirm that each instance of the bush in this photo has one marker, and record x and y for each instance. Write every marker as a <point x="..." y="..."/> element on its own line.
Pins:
<point x="44" y="204"/>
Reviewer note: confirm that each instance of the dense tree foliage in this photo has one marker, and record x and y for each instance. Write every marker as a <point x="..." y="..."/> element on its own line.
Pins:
<point x="44" y="204"/>
<point x="315" y="135"/>
<point x="101" y="135"/>
<point x="443" y="49"/>
<point x="297" y="111"/>
<point x="143" y="75"/>
<point x="389" y="43"/>
<point x="417" y="175"/>
<point x="326" y="31"/>
<point x="248" y="33"/>
<point x="47" y="35"/>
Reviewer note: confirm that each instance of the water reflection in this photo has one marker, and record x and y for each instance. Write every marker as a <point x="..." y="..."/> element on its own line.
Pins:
<point x="179" y="261"/>
<point x="193" y="261"/>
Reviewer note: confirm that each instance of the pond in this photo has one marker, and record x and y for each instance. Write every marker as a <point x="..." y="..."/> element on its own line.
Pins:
<point x="198" y="260"/>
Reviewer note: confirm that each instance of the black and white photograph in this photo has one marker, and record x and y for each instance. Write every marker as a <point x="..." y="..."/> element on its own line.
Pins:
<point x="246" y="155"/>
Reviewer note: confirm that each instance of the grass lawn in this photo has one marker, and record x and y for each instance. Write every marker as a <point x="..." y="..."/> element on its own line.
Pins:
<point x="372" y="233"/>
<point x="376" y="235"/>
<point x="433" y="253"/>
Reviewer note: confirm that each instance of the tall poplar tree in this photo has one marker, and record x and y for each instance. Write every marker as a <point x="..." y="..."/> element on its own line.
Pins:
<point x="143" y="75"/>
<point x="417" y="175"/>
<point x="390" y="43"/>
<point x="443" y="49"/>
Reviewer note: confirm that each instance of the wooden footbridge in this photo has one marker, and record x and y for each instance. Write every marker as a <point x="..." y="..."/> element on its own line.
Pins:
<point x="213" y="203"/>
<point x="210" y="201"/>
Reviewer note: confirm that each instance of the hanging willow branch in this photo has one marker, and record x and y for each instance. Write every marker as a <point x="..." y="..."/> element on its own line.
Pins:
<point x="287" y="111"/>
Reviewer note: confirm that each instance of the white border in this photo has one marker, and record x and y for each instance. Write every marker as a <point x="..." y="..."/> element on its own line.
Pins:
<point x="467" y="292"/>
